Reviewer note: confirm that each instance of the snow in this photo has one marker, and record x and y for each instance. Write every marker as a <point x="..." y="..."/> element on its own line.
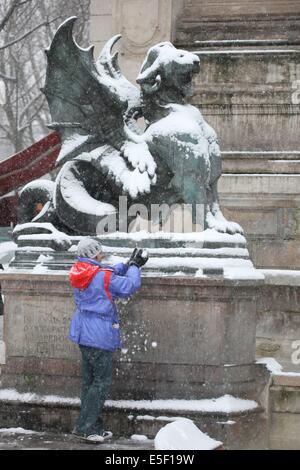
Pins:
<point x="209" y="235"/>
<point x="145" y="418"/>
<point x="218" y="222"/>
<point x="39" y="269"/>
<point x="240" y="273"/>
<point x="40" y="184"/>
<point x="133" y="181"/>
<point x="77" y="197"/>
<point x="234" y="268"/>
<point x="226" y="404"/>
<point x="126" y="90"/>
<point x="220" y="41"/>
<point x="44" y="259"/>
<point x="36" y="248"/>
<point x="281" y="276"/>
<point x="137" y="153"/>
<point x="166" y="53"/>
<point x="189" y="251"/>
<point x="228" y="423"/>
<point x="73" y="249"/>
<point x="271" y="364"/>
<point x="234" y="261"/>
<point x="284" y="161"/>
<point x="52" y="231"/>
<point x="43" y="211"/>
<point x="157" y="418"/>
<point x="58" y="237"/>
<point x="263" y="152"/>
<point x="267" y="175"/>
<point x="15" y="396"/>
<point x="10" y="194"/>
<point x="17" y="431"/>
<point x="249" y="51"/>
<point x="53" y="234"/>
<point x="275" y="368"/>
<point x="183" y="119"/>
<point x="69" y="145"/>
<point x="183" y="434"/>
<point x="139" y="437"/>
<point x="7" y="252"/>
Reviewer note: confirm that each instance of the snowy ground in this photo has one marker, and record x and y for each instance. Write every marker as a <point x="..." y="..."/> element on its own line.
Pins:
<point x="18" y="439"/>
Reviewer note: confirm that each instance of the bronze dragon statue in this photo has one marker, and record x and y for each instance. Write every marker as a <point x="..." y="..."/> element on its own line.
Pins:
<point x="105" y="153"/>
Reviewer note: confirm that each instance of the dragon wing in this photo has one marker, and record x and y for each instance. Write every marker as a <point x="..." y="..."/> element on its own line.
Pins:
<point x="109" y="64"/>
<point x="88" y="102"/>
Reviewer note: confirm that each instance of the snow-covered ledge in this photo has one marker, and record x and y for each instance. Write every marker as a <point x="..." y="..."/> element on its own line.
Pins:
<point x="281" y="277"/>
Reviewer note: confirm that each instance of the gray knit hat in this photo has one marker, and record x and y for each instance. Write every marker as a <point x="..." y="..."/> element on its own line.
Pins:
<point x="89" y="248"/>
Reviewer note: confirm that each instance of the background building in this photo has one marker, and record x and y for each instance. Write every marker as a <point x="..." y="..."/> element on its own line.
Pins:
<point x="248" y="90"/>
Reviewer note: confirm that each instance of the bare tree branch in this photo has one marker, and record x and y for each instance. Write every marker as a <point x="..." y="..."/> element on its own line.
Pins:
<point x="6" y="77"/>
<point x="31" y="117"/>
<point x="29" y="30"/>
<point x="24" y="3"/>
<point x="31" y="103"/>
<point x="9" y="13"/>
<point x="24" y="36"/>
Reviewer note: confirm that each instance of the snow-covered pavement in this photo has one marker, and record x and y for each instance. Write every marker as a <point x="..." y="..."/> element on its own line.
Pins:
<point x="20" y="439"/>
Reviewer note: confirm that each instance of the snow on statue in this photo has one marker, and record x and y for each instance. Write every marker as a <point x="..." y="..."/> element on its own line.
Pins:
<point x="105" y="154"/>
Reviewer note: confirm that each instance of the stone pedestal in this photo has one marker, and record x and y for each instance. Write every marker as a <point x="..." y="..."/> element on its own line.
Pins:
<point x="184" y="338"/>
<point x="257" y="121"/>
<point x="142" y="24"/>
<point x="207" y="20"/>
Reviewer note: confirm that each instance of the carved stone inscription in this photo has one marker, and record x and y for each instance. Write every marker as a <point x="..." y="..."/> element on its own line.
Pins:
<point x="46" y="326"/>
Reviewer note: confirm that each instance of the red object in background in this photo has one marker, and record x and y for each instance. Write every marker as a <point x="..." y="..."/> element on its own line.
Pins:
<point x="25" y="166"/>
<point x="8" y="211"/>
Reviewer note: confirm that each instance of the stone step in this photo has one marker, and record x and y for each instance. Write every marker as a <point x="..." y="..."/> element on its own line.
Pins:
<point x="267" y="162"/>
<point x="284" y="404"/>
<point x="287" y="380"/>
<point x="155" y="243"/>
<point x="236" y="430"/>
<point x="179" y="253"/>
<point x="58" y="441"/>
<point x="195" y="9"/>
<point x="225" y="21"/>
<point x="285" y="394"/>
<point x="168" y="263"/>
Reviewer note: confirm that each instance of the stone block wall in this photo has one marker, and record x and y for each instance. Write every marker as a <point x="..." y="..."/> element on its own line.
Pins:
<point x="248" y="91"/>
<point x="203" y="20"/>
<point x="251" y="97"/>
<point x="278" y="321"/>
<point x="284" y="408"/>
<point x="101" y="23"/>
<point x="268" y="208"/>
<point x="183" y="338"/>
<point x="142" y="23"/>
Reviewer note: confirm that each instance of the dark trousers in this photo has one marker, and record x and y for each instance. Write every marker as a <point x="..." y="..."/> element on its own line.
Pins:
<point x="96" y="380"/>
<point x="1" y="304"/>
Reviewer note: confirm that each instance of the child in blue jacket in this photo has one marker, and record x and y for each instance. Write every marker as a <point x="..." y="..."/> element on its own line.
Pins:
<point x="95" y="326"/>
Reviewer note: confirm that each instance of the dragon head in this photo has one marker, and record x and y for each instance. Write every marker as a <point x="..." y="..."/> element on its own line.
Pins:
<point x="170" y="70"/>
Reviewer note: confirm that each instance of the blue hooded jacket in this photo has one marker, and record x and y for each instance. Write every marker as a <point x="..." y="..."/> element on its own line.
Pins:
<point x="95" y="322"/>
